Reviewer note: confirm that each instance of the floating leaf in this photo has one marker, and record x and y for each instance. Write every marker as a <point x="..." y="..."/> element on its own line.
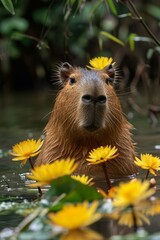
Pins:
<point x="74" y="190"/>
<point x="112" y="37"/>
<point x="8" y="6"/>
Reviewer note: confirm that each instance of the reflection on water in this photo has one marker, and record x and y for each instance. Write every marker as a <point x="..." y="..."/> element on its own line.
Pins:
<point x="24" y="116"/>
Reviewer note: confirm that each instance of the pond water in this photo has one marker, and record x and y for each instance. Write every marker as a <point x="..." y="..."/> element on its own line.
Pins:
<point x="23" y="116"/>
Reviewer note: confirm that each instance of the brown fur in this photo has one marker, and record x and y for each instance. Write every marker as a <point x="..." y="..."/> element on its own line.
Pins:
<point x="75" y="128"/>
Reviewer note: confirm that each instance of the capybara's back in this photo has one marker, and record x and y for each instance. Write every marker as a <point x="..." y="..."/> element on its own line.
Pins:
<point x="86" y="115"/>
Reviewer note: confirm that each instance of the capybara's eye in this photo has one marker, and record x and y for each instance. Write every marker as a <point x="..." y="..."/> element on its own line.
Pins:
<point x="109" y="80"/>
<point x="72" y="80"/>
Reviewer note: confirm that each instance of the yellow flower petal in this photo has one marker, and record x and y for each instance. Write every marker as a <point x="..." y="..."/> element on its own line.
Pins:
<point x="26" y="149"/>
<point x="83" y="179"/>
<point x="24" y="162"/>
<point x="126" y="218"/>
<point x="76" y="216"/>
<point x="44" y="174"/>
<point x="102" y="154"/>
<point x="153" y="208"/>
<point x="149" y="162"/>
<point x="82" y="234"/>
<point x="99" y="63"/>
<point x="131" y="193"/>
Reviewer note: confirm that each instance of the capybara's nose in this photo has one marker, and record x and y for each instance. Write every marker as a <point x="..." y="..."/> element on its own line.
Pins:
<point x="87" y="99"/>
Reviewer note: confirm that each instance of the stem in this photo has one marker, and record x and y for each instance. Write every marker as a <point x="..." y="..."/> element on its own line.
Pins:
<point x="134" y="221"/>
<point x="39" y="189"/>
<point x="135" y="11"/>
<point x="30" y="161"/>
<point x="147" y="174"/>
<point x="106" y="175"/>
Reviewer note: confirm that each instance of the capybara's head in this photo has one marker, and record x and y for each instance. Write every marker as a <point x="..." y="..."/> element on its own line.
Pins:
<point x="87" y="104"/>
<point x="86" y="115"/>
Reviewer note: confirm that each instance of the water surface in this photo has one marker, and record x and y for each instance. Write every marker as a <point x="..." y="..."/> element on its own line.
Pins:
<point x="24" y="116"/>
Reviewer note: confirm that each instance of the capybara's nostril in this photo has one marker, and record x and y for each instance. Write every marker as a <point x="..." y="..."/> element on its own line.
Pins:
<point x="101" y="99"/>
<point x="87" y="98"/>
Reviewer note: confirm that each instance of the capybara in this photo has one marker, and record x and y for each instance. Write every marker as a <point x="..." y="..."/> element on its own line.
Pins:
<point x="86" y="115"/>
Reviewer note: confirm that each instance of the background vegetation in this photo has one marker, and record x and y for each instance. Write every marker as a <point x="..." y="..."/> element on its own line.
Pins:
<point x="36" y="35"/>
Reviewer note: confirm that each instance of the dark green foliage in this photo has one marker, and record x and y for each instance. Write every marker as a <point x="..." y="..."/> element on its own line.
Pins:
<point x="8" y="6"/>
<point x="73" y="191"/>
<point x="43" y="33"/>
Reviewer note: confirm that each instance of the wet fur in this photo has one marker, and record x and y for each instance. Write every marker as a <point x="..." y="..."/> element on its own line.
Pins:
<point x="64" y="138"/>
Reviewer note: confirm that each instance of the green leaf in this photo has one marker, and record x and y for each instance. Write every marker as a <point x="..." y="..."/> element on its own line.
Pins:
<point x="74" y="190"/>
<point x="135" y="38"/>
<point x="95" y="8"/>
<point x="153" y="10"/>
<point x="113" y="38"/>
<point x="151" y="51"/>
<point x="143" y="39"/>
<point x="124" y="15"/>
<point x="8" y="6"/>
<point x="9" y="25"/>
<point x="112" y="7"/>
<point x="131" y="40"/>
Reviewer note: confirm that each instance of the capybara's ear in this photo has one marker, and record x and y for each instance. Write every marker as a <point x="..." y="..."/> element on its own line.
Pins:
<point x="110" y="70"/>
<point x="65" y="70"/>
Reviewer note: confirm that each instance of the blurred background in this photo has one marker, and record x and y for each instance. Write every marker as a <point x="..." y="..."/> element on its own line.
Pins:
<point x="36" y="36"/>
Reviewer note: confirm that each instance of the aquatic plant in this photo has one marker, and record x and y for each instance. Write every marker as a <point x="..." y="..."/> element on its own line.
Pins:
<point x="83" y="179"/>
<point x="100" y="156"/>
<point x="75" y="217"/>
<point x="46" y="173"/>
<point x="79" y="215"/>
<point x="100" y="63"/>
<point x="148" y="162"/>
<point x="70" y="205"/>
<point x="24" y="150"/>
<point x="132" y="193"/>
<point x="131" y="201"/>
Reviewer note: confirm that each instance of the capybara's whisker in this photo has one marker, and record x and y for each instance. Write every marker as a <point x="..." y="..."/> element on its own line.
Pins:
<point x="86" y="115"/>
<point x="46" y="115"/>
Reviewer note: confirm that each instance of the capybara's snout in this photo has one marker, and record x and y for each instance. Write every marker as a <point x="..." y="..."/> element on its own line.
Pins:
<point x="88" y="99"/>
<point x="93" y="105"/>
<point x="87" y="114"/>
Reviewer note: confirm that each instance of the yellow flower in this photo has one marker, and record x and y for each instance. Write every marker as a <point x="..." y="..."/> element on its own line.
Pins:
<point x="102" y="154"/>
<point x="127" y="218"/>
<point x="147" y="161"/>
<point x="26" y="149"/>
<point x="99" y="63"/>
<point x="76" y="216"/>
<point x="82" y="234"/>
<point x="83" y="179"/>
<point x="44" y="174"/>
<point x="153" y="208"/>
<point x="131" y="193"/>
